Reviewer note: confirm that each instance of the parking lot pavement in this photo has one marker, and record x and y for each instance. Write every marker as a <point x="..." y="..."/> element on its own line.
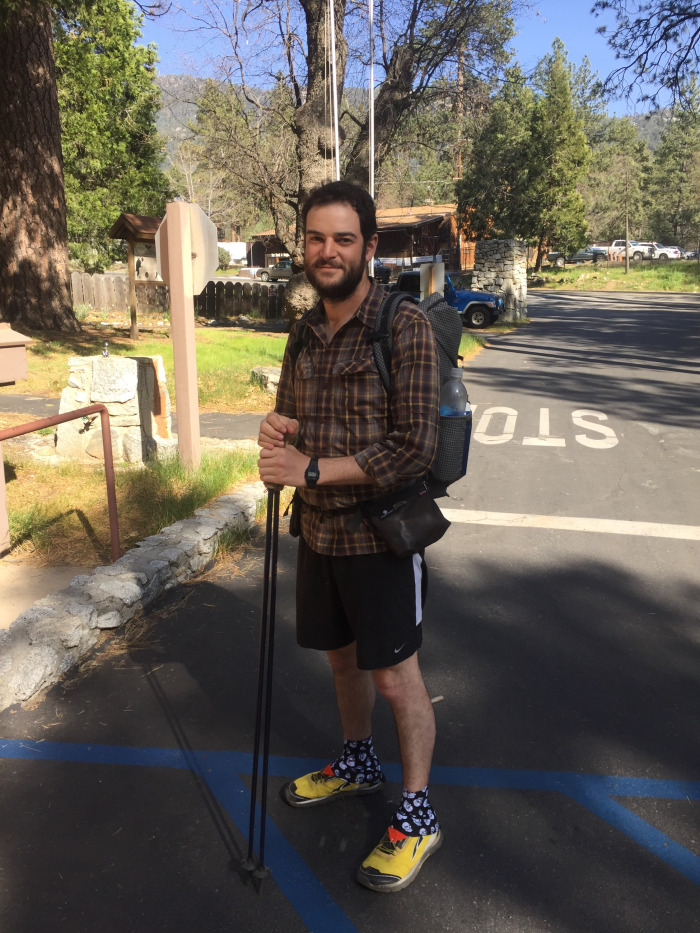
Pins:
<point x="124" y="799"/>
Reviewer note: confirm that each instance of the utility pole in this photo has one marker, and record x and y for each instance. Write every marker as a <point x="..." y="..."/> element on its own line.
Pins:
<point x="627" y="228"/>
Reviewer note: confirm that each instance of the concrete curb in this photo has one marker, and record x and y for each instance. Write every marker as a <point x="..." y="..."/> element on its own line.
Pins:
<point x="51" y="637"/>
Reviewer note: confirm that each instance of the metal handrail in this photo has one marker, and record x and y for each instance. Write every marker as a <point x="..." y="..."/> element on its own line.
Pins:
<point x="31" y="426"/>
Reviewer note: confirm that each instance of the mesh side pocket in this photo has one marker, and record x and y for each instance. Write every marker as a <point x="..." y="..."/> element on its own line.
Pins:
<point x="453" y="446"/>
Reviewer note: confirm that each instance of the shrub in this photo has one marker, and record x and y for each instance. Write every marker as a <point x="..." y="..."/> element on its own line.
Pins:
<point x="224" y="258"/>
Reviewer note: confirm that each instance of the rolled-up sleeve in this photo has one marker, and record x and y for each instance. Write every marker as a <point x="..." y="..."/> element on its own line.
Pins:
<point x="408" y="449"/>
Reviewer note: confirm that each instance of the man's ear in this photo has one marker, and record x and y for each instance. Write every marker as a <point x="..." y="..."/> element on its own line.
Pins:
<point x="371" y="247"/>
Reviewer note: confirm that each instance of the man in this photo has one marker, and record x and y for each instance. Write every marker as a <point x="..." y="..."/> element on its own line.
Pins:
<point x="340" y="439"/>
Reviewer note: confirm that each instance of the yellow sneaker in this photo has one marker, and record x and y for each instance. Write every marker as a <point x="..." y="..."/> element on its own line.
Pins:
<point x="322" y="786"/>
<point x="396" y="861"/>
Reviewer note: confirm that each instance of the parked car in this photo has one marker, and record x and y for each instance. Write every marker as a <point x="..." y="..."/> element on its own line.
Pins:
<point x="587" y="254"/>
<point x="382" y="273"/>
<point x="692" y="254"/>
<point x="655" y="250"/>
<point x="280" y="270"/>
<point x="477" y="309"/>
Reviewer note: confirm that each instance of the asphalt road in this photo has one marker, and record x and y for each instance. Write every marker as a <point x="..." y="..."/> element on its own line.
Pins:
<point x="561" y="645"/>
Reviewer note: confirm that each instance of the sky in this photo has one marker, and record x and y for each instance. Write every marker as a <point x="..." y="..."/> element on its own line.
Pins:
<point x="184" y="53"/>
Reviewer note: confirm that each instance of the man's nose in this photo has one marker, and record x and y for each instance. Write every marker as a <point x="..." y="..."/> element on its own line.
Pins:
<point x="328" y="250"/>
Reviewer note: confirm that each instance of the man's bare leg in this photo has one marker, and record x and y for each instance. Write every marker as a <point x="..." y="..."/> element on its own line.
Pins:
<point x="403" y="688"/>
<point x="355" y="692"/>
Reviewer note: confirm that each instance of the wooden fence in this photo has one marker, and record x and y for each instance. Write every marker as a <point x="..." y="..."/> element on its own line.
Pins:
<point x="110" y="292"/>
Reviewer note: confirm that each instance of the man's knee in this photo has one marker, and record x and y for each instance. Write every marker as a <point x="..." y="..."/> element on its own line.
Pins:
<point x="343" y="660"/>
<point x="400" y="681"/>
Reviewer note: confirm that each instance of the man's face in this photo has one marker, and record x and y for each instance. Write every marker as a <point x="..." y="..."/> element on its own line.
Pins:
<point x="335" y="257"/>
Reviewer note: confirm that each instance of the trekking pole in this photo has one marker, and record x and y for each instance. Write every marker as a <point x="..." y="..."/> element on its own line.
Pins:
<point x="264" y="691"/>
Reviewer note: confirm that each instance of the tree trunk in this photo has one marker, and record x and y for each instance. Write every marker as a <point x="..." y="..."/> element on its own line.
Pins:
<point x="540" y="255"/>
<point x="34" y="272"/>
<point x="313" y="119"/>
<point x="392" y="101"/>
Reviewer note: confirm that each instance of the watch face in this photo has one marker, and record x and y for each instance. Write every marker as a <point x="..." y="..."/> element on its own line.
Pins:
<point x="312" y="473"/>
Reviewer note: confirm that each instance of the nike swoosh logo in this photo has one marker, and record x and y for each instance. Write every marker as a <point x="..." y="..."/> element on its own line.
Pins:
<point x="396" y="650"/>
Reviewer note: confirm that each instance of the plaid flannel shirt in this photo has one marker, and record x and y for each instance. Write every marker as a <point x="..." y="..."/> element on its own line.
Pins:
<point x="336" y="393"/>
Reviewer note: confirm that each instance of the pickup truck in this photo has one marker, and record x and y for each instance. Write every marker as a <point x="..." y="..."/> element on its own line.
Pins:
<point x="477" y="309"/>
<point x="587" y="254"/>
<point x="637" y="250"/>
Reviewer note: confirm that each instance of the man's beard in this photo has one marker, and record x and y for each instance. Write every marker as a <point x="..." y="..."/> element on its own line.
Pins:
<point x="341" y="289"/>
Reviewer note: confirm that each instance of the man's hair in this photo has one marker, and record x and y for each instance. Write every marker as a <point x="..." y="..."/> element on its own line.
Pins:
<point x="344" y="192"/>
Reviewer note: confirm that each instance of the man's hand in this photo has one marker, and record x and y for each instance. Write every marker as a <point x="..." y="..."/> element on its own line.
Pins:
<point x="276" y="430"/>
<point x="282" y="466"/>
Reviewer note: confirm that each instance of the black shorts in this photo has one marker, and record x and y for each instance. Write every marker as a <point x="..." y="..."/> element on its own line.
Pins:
<point x="373" y="599"/>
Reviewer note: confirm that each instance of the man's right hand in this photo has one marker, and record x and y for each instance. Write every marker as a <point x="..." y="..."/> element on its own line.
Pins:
<point x="277" y="430"/>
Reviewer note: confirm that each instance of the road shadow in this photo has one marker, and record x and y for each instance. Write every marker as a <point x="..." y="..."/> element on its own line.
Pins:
<point x="578" y="668"/>
<point x="582" y="345"/>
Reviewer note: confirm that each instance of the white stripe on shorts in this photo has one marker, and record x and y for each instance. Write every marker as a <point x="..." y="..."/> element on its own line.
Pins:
<point x="418" y="581"/>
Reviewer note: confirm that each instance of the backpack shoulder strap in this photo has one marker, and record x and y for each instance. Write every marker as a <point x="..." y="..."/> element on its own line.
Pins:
<point x="301" y="339"/>
<point x="382" y="342"/>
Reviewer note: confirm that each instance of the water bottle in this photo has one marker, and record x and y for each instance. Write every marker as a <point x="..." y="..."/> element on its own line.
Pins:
<point x="454" y="401"/>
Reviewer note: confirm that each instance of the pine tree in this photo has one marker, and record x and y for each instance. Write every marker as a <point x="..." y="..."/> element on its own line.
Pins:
<point x="557" y="159"/>
<point x="492" y="192"/>
<point x="526" y="163"/>
<point x="675" y="179"/>
<point x="616" y="186"/>
<point x="108" y="100"/>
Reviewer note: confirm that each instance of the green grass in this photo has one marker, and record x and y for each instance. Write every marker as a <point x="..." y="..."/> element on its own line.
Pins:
<point x="166" y="491"/>
<point x="224" y="363"/>
<point x="225" y="359"/>
<point x="60" y="512"/>
<point x="672" y="276"/>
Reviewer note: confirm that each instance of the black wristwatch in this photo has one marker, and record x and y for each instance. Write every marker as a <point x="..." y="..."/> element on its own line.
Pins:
<point x="311" y="475"/>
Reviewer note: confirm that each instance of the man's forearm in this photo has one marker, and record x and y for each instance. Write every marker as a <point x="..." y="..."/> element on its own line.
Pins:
<point x="341" y="471"/>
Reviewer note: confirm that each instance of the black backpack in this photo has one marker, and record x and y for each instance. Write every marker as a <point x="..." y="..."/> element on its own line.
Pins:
<point x="454" y="433"/>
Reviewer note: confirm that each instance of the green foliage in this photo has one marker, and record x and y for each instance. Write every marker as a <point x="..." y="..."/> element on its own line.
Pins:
<point x="420" y="168"/>
<point x="522" y="175"/>
<point x="675" y="180"/>
<point x="108" y="101"/>
<point x="558" y="157"/>
<point x="224" y="258"/>
<point x="493" y="188"/>
<point x="616" y="187"/>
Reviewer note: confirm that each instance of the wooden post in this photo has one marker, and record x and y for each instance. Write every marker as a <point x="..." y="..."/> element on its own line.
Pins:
<point x="4" y="520"/>
<point x="131" y="261"/>
<point x="179" y="256"/>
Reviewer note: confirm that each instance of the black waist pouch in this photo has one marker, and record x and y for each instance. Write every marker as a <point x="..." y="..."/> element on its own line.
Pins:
<point x="407" y="519"/>
<point x="294" y="509"/>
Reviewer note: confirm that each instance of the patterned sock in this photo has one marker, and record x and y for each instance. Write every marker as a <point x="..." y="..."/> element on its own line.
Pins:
<point x="358" y="763"/>
<point x="415" y="816"/>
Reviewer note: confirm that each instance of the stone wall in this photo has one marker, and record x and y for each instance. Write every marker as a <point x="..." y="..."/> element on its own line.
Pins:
<point x="501" y="266"/>
<point x="135" y="393"/>
<point x="52" y="636"/>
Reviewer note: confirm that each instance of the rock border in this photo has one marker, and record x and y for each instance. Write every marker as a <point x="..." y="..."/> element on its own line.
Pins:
<point x="53" y="635"/>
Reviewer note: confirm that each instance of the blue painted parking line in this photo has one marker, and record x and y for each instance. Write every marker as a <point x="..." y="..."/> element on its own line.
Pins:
<point x="223" y="770"/>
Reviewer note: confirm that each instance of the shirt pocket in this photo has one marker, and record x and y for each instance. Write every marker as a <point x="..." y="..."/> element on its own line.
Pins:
<point x="359" y="396"/>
